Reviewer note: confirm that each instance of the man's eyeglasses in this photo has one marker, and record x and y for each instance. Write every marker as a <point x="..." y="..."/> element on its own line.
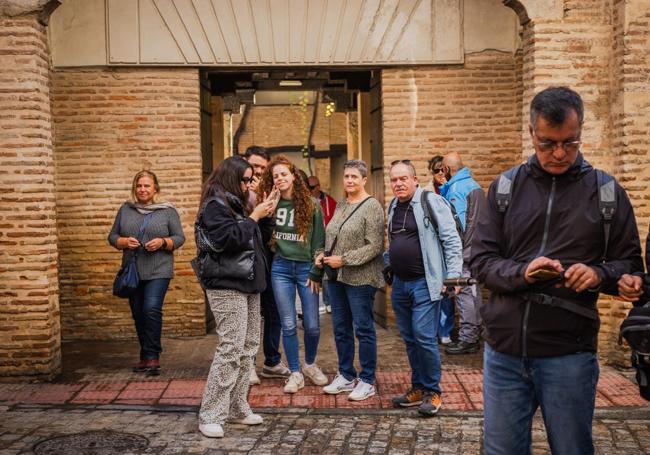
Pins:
<point x="312" y="187"/>
<point x="246" y="180"/>
<point x="550" y="146"/>
<point x="407" y="162"/>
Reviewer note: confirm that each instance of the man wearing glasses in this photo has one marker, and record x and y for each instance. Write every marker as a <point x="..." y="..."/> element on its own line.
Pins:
<point x="327" y="202"/>
<point x="545" y="255"/>
<point x="421" y="256"/>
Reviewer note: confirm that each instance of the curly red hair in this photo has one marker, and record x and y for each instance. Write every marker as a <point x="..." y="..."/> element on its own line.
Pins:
<point x="301" y="196"/>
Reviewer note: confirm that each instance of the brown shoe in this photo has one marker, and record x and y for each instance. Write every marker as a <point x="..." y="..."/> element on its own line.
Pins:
<point x="412" y="397"/>
<point x="153" y="367"/>
<point x="140" y="367"/>
<point x="431" y="403"/>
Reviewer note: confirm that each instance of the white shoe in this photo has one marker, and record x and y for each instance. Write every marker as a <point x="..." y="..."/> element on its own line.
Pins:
<point x="445" y="340"/>
<point x="295" y="382"/>
<point x="254" y="379"/>
<point x="314" y="374"/>
<point x="338" y="385"/>
<point x="278" y="371"/>
<point x="211" y="430"/>
<point x="250" y="419"/>
<point x="328" y="308"/>
<point x="362" y="391"/>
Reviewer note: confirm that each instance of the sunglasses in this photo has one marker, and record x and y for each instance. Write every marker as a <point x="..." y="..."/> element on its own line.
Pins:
<point x="437" y="171"/>
<point x="246" y="180"/>
<point x="393" y="163"/>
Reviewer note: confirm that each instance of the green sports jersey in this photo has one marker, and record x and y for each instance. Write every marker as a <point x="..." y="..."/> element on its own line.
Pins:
<point x="288" y="243"/>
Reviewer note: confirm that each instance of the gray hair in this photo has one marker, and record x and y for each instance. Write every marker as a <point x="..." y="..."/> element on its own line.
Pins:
<point x="359" y="165"/>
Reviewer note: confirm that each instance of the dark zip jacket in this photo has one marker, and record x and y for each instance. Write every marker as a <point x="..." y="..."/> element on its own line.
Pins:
<point x="557" y="217"/>
<point x="229" y="227"/>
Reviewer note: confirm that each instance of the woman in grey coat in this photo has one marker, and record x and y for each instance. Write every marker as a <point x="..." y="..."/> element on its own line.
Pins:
<point x="154" y="247"/>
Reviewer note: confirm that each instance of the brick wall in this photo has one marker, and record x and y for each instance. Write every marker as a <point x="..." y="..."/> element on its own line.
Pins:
<point x="473" y="109"/>
<point x="109" y="124"/>
<point x="29" y="306"/>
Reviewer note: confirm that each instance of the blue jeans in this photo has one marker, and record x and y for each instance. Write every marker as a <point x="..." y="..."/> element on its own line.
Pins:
<point x="447" y="317"/>
<point x="513" y="388"/>
<point x="272" y="327"/>
<point x="286" y="277"/>
<point x="352" y="315"/>
<point x="417" y="319"/>
<point x="146" y="309"/>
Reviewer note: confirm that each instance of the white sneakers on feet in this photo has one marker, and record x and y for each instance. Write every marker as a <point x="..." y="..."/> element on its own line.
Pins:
<point x="338" y="385"/>
<point x="295" y="382"/>
<point x="278" y="371"/>
<point x="211" y="430"/>
<point x="253" y="378"/>
<point x="445" y="340"/>
<point x="314" y="374"/>
<point x="362" y="391"/>
<point x="250" y="419"/>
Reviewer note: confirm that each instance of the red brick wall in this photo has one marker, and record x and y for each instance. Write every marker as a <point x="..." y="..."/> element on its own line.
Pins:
<point x="473" y="109"/>
<point x="29" y="306"/>
<point x="109" y="124"/>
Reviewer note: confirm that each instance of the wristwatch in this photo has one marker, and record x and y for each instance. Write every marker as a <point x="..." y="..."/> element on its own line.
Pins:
<point x="164" y="245"/>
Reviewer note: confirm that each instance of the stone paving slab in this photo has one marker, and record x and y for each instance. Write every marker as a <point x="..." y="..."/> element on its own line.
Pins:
<point x="291" y="431"/>
<point x="462" y="391"/>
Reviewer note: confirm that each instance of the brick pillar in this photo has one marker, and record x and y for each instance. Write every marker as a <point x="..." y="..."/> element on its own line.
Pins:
<point x="30" y="343"/>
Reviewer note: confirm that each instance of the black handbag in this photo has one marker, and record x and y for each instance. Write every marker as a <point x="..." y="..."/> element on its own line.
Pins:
<point x="331" y="273"/>
<point x="127" y="280"/>
<point x="213" y="262"/>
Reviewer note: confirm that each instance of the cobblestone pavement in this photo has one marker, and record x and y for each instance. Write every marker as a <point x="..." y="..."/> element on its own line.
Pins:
<point x="26" y="430"/>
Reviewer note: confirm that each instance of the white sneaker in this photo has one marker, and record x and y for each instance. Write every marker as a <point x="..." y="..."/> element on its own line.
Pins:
<point x="328" y="308"/>
<point x="362" y="391"/>
<point x="338" y="385"/>
<point x="445" y="340"/>
<point x="254" y="379"/>
<point x="278" y="371"/>
<point x="295" y="382"/>
<point x="250" y="419"/>
<point x="211" y="430"/>
<point x="314" y="374"/>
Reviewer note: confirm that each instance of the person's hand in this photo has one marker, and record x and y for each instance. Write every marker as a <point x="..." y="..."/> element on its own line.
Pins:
<point x="630" y="288"/>
<point x="254" y="183"/>
<point x="336" y="262"/>
<point x="263" y="209"/>
<point x="313" y="285"/>
<point x="154" y="244"/>
<point x="541" y="263"/>
<point x="274" y="198"/>
<point x="319" y="260"/>
<point x="581" y="277"/>
<point x="132" y="243"/>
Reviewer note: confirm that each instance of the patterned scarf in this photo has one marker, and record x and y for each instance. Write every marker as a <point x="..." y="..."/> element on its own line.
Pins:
<point x="147" y="209"/>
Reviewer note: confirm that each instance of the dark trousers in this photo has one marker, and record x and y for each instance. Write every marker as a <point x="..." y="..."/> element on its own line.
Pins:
<point x="272" y="326"/>
<point x="146" y="309"/>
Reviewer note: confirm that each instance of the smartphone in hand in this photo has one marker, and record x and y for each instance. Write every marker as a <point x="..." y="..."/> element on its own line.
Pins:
<point x="543" y="274"/>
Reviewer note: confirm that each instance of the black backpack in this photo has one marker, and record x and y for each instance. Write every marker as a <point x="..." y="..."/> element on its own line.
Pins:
<point x="429" y="216"/>
<point x="636" y="331"/>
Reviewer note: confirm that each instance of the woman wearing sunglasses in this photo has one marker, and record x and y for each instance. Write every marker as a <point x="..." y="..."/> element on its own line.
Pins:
<point x="233" y="228"/>
<point x="299" y="235"/>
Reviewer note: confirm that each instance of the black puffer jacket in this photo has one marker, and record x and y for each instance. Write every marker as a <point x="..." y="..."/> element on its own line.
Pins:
<point x="563" y="210"/>
<point x="229" y="228"/>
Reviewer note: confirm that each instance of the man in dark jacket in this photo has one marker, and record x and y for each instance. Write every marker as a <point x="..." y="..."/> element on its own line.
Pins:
<point x="544" y="257"/>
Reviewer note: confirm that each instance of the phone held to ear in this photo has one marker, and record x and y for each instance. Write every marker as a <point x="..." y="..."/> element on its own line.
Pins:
<point x="544" y="274"/>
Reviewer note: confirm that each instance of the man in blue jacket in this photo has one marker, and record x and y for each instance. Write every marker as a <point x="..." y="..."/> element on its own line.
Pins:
<point x="422" y="257"/>
<point x="467" y="197"/>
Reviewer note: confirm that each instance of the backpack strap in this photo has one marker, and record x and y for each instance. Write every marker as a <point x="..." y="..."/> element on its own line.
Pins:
<point x="504" y="188"/>
<point x="606" y="203"/>
<point x="429" y="218"/>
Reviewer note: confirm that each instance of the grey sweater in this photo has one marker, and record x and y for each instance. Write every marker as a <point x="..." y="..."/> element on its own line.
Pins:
<point x="360" y="242"/>
<point x="163" y="223"/>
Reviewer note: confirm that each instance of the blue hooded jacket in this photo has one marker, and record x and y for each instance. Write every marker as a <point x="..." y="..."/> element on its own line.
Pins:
<point x="456" y="191"/>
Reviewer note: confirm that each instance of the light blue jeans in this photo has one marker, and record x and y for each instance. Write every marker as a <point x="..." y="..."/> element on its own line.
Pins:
<point x="564" y="387"/>
<point x="417" y="319"/>
<point x="287" y="276"/>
